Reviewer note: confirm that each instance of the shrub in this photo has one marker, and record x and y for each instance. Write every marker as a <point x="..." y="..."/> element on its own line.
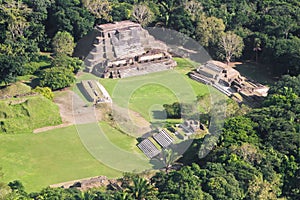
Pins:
<point x="45" y="91"/>
<point x="56" y="78"/>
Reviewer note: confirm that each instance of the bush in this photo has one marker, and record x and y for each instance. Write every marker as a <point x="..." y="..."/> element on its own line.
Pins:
<point x="45" y="91"/>
<point x="56" y="78"/>
<point x="173" y="111"/>
<point x="74" y="64"/>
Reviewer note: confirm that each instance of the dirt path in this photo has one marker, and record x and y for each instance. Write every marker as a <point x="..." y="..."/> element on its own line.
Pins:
<point x="47" y="128"/>
<point x="72" y="110"/>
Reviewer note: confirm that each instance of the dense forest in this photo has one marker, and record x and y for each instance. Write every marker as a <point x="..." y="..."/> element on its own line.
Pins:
<point x="257" y="156"/>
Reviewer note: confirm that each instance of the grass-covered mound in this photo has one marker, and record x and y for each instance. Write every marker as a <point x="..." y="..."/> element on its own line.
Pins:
<point x="21" y="115"/>
<point x="14" y="89"/>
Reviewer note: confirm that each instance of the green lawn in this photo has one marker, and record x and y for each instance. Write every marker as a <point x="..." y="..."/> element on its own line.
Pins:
<point x="39" y="160"/>
<point x="121" y="140"/>
<point x="145" y="94"/>
<point x="150" y="98"/>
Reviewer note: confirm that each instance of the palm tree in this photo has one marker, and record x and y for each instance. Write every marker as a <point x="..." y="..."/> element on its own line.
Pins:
<point x="140" y="188"/>
<point x="169" y="158"/>
<point x="122" y="195"/>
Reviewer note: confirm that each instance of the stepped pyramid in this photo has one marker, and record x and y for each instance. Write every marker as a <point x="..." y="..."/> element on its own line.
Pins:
<point x="124" y="49"/>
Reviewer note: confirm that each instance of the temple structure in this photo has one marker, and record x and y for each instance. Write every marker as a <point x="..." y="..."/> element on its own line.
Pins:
<point x="228" y="80"/>
<point x="124" y="49"/>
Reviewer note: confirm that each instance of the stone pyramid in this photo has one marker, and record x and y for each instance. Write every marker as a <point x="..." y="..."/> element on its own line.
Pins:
<point x="121" y="49"/>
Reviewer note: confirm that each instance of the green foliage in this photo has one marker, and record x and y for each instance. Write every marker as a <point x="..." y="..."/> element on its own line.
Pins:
<point x="169" y="158"/>
<point x="46" y="92"/>
<point x="24" y="115"/>
<point x="121" y="11"/>
<point x="238" y="130"/>
<point x="287" y="55"/>
<point x="291" y="82"/>
<point x="63" y="43"/>
<point x="209" y="30"/>
<point x="13" y="57"/>
<point x="173" y="110"/>
<point x="10" y="67"/>
<point x="68" y="15"/>
<point x="182" y="184"/>
<point x="56" y="78"/>
<point x="140" y="189"/>
<point x="230" y="46"/>
<point x="72" y="63"/>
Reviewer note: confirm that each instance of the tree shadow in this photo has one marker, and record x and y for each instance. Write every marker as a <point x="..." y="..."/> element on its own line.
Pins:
<point x="158" y="114"/>
<point x="33" y="83"/>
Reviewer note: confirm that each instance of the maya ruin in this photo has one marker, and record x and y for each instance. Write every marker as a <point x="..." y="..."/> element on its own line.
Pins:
<point x="124" y="49"/>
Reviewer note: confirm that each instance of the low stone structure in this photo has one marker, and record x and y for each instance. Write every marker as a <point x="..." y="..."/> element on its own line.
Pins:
<point x="161" y="138"/>
<point x="148" y="148"/>
<point x="94" y="91"/>
<point x="87" y="183"/>
<point x="124" y="49"/>
<point x="228" y="80"/>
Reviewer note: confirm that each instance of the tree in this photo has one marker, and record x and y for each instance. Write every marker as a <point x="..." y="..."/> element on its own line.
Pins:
<point x="142" y="14"/>
<point x="239" y="130"/>
<point x="100" y="8"/>
<point x="173" y="110"/>
<point x="63" y="43"/>
<point x="209" y="30"/>
<point x="185" y="183"/>
<point x="121" y="11"/>
<point x="56" y="78"/>
<point x="70" y="16"/>
<point x="260" y="189"/>
<point x="231" y="45"/>
<point x="14" y="14"/>
<point x="168" y="8"/>
<point x="287" y="55"/>
<point x="194" y="8"/>
<point x="140" y="188"/>
<point x="10" y="67"/>
<point x="169" y="158"/>
<point x="72" y="63"/>
<point x="37" y="20"/>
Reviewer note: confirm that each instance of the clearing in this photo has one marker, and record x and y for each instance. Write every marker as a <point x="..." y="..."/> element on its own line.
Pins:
<point x="55" y="156"/>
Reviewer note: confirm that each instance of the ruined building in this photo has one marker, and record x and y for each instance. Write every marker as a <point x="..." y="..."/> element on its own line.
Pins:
<point x="124" y="49"/>
<point x="228" y="80"/>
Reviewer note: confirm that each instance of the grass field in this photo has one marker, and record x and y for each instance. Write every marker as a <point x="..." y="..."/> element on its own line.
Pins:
<point x="149" y="99"/>
<point x="55" y="156"/>
<point x="147" y="93"/>
<point x="119" y="139"/>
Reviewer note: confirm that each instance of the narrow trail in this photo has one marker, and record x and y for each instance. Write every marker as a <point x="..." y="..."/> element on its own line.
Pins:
<point x="47" y="128"/>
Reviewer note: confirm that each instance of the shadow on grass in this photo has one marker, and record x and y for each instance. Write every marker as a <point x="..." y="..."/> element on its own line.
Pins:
<point x="258" y="72"/>
<point x="158" y="114"/>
